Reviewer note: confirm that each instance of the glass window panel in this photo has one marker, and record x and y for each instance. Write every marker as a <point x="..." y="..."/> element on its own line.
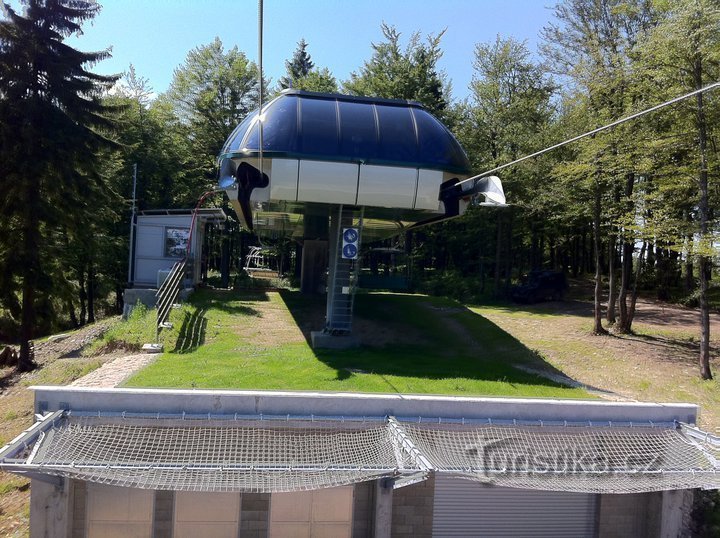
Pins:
<point x="397" y="134"/>
<point x="436" y="145"/>
<point x="235" y="139"/>
<point x="319" y="130"/>
<point x="358" y="133"/>
<point x="280" y="127"/>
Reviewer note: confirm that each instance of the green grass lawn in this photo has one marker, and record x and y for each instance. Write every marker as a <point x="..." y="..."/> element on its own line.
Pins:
<point x="251" y="340"/>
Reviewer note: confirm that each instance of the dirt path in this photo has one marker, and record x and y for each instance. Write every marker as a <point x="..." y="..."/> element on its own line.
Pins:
<point x="112" y="373"/>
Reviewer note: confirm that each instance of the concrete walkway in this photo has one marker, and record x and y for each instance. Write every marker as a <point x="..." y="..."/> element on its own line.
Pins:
<point x="112" y="373"/>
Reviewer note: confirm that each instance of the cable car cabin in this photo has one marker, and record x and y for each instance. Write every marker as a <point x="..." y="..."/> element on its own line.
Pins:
<point x="339" y="171"/>
<point x="391" y="157"/>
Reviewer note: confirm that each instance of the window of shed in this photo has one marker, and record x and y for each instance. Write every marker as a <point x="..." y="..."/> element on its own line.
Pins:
<point x="176" y="242"/>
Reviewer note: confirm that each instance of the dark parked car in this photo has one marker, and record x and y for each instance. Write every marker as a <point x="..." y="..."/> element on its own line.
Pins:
<point x="540" y="286"/>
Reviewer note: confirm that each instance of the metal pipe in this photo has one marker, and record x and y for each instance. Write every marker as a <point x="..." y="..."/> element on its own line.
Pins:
<point x="131" y="249"/>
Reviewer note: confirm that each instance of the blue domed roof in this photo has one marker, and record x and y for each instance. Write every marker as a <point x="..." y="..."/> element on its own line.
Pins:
<point x="342" y="128"/>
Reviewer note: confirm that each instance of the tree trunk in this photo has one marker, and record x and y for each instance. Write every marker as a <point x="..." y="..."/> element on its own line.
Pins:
<point x="662" y="271"/>
<point x="612" y="285"/>
<point x="688" y="276"/>
<point x="509" y="255"/>
<point x="575" y="256"/>
<point x="597" y="309"/>
<point x="623" y="325"/>
<point x="71" y="313"/>
<point x="634" y="294"/>
<point x="498" y="255"/>
<point x="82" y="295"/>
<point x="704" y="210"/>
<point x="627" y="261"/>
<point x="29" y="275"/>
<point x="91" y="292"/>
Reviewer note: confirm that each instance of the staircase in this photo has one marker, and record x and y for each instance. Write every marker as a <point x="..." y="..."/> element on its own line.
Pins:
<point x="343" y="273"/>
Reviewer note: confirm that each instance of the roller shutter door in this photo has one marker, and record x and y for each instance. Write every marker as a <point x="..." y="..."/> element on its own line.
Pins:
<point x="465" y="508"/>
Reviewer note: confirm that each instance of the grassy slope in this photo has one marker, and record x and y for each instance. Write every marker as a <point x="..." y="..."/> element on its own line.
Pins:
<point x="224" y="340"/>
<point x="658" y="363"/>
<point x="16" y="408"/>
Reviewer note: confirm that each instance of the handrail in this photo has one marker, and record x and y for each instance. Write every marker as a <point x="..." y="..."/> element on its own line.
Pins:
<point x="168" y="293"/>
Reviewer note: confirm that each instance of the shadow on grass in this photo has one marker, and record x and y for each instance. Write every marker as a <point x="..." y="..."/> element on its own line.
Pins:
<point x="453" y="341"/>
<point x="228" y="300"/>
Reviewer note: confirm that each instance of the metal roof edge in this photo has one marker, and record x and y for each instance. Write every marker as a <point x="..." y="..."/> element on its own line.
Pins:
<point x="352" y="98"/>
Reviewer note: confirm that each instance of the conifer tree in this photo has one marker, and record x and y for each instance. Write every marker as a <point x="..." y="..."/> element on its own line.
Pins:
<point x="52" y="125"/>
<point x="409" y="73"/>
<point x="298" y="67"/>
<point x="303" y="75"/>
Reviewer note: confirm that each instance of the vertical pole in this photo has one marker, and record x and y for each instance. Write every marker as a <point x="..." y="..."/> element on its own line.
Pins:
<point x="335" y="238"/>
<point x="260" y="68"/>
<point x="131" y="248"/>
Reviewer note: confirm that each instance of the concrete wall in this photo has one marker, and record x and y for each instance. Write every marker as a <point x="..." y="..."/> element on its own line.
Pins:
<point x="51" y="509"/>
<point x="636" y="515"/>
<point x="676" y="514"/>
<point x="363" y="510"/>
<point x="163" y="514"/>
<point x="255" y="402"/>
<point x="412" y="510"/>
<point x="79" y="508"/>
<point x="254" y="515"/>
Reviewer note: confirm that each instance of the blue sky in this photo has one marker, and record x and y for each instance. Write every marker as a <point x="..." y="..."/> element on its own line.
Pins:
<point x="156" y="35"/>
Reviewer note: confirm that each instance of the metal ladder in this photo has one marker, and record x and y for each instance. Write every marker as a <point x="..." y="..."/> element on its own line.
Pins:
<point x="343" y="273"/>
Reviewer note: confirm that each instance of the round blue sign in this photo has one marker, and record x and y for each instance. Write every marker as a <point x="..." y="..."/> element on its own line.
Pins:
<point x="349" y="251"/>
<point x="350" y="235"/>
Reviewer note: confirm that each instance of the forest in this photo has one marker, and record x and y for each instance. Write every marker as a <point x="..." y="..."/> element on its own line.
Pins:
<point x="631" y="208"/>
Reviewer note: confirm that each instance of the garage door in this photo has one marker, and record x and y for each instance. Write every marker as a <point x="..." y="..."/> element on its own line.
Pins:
<point x="466" y="508"/>
<point x="324" y="513"/>
<point x="119" y="512"/>
<point x="210" y="515"/>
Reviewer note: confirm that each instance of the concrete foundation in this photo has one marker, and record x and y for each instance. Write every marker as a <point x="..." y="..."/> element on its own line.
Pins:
<point x="323" y="340"/>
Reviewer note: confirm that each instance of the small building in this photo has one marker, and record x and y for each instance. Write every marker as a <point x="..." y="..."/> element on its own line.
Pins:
<point x="166" y="236"/>
<point x="176" y="463"/>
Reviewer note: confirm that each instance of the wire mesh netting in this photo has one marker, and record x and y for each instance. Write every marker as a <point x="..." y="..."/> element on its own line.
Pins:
<point x="257" y="455"/>
<point x="570" y="458"/>
<point x="220" y="457"/>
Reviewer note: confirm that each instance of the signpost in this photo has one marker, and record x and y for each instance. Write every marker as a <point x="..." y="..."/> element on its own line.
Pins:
<point x="350" y="243"/>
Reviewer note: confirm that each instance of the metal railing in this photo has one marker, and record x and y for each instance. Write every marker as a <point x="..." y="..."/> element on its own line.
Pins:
<point x="167" y="294"/>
